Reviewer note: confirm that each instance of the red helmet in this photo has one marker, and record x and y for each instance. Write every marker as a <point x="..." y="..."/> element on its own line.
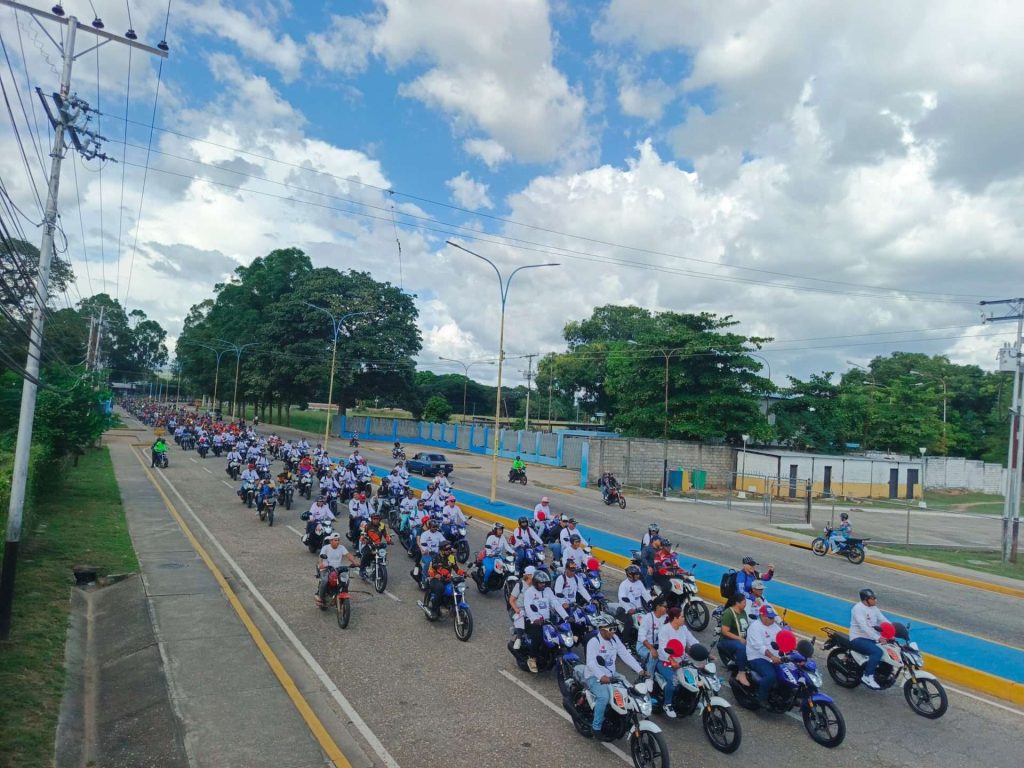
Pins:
<point x="786" y="641"/>
<point x="593" y="564"/>
<point x="362" y="497"/>
<point x="541" y="516"/>
<point x="674" y="648"/>
<point x="887" y="630"/>
<point x="425" y="519"/>
<point x="451" y="499"/>
<point x="252" y="465"/>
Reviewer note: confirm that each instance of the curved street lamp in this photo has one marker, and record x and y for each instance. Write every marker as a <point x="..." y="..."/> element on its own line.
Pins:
<point x="336" y="324"/>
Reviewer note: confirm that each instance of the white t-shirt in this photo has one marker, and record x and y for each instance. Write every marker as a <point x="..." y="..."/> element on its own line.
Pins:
<point x="538" y="605"/>
<point x="335" y="555"/>
<point x="759" y="640"/>
<point x="667" y="633"/>
<point x="648" y="631"/>
<point x="431" y="540"/>
<point x="863" y="620"/>
<point x="608" y="651"/>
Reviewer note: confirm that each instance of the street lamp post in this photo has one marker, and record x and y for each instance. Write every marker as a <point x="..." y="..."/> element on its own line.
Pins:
<point x="238" y="349"/>
<point x="216" y="375"/>
<point x="465" y="379"/>
<point x="503" y="286"/>
<point x="336" y="324"/>
<point x="942" y="379"/>
<point x="743" y="466"/>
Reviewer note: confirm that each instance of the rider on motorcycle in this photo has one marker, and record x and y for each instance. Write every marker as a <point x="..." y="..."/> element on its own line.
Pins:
<point x="319" y="512"/>
<point x="538" y="603"/>
<point x="842" y="533"/>
<point x="760" y="655"/>
<point x="673" y="638"/>
<point x="864" y="617"/>
<point x="652" y="532"/>
<point x="523" y="538"/>
<point x="494" y="547"/>
<point x="442" y="566"/>
<point x="374" y="534"/>
<point x="748" y="574"/>
<point x="602" y="651"/>
<point x="359" y="509"/>
<point x="606" y="482"/>
<point x="544" y="507"/>
<point x="430" y="544"/>
<point x="331" y="555"/>
<point x="575" y="553"/>
<point x="518" y="465"/>
<point x="568" y="587"/>
<point x="159" y="447"/>
<point x="734" y="634"/>
<point x="647" y="635"/>
<point x="249" y="478"/>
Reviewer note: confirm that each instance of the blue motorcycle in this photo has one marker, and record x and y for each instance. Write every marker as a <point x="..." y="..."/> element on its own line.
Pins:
<point x="453" y="601"/>
<point x="555" y="640"/>
<point x="797" y="684"/>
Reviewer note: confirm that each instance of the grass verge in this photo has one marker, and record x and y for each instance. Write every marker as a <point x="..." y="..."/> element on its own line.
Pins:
<point x="305" y="421"/>
<point x="80" y="520"/>
<point x="986" y="562"/>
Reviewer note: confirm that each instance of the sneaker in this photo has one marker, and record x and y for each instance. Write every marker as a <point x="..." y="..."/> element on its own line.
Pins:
<point x="531" y="664"/>
<point x="870" y="683"/>
<point x="600" y="735"/>
<point x="670" y="713"/>
<point x="517" y="643"/>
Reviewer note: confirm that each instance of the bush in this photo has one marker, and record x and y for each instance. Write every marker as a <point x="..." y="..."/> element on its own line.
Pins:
<point x="437" y="409"/>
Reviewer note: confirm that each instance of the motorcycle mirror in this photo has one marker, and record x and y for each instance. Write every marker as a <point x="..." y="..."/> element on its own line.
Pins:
<point x="600" y="661"/>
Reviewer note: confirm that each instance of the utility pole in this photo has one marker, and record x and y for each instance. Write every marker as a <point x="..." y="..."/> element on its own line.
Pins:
<point x="1015" y="452"/>
<point x="550" y="387"/>
<point x="529" y="380"/>
<point x="69" y="110"/>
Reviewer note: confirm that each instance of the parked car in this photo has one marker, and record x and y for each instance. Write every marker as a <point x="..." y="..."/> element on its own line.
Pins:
<point x="429" y="464"/>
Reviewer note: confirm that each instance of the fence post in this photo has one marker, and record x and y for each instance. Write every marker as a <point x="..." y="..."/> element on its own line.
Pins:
<point x="559" y="449"/>
<point x="807" y="490"/>
<point x="455" y="440"/>
<point x="394" y="430"/>
<point x="584" y="463"/>
<point x="344" y="424"/>
<point x="472" y="436"/>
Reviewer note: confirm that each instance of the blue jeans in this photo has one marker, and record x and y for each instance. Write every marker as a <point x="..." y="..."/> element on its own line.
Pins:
<point x="871" y="649"/>
<point x="766" y="670"/>
<point x="602" y="694"/>
<point x="648" y="660"/>
<point x="668" y="677"/>
<point x="737" y="650"/>
<point x="488" y="567"/>
<point x="424" y="565"/>
<point x="520" y="558"/>
<point x="556" y="551"/>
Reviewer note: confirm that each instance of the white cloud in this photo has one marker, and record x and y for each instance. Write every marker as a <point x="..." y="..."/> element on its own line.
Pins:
<point x="646" y="99"/>
<point x="491" y="152"/>
<point x="469" y="193"/>
<point x="345" y="46"/>
<point x="490" y="67"/>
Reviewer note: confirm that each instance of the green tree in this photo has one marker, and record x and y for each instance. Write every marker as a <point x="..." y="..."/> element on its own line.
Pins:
<point x="437" y="409"/>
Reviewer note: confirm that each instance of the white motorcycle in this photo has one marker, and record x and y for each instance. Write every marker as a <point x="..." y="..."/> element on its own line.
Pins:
<point x="628" y="711"/>
<point x="901" y="661"/>
<point x="697" y="687"/>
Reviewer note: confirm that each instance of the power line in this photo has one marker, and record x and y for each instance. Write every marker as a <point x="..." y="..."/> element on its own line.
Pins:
<point x="124" y="168"/>
<point x="103" y="256"/>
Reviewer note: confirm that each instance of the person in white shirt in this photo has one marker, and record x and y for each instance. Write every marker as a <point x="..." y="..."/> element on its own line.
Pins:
<point x="653" y="530"/>
<point x="452" y="515"/>
<point x="632" y="592"/>
<point x="442" y="482"/>
<point x="319" y="512"/>
<point x="671" y="635"/>
<point x="494" y="547"/>
<point x="603" y="650"/>
<point x="407" y="507"/>
<point x="359" y="509"/>
<point x="568" y="586"/>
<point x="538" y="603"/>
<point x="430" y="542"/>
<point x="864" y="617"/>
<point x="523" y="538"/>
<point x="332" y="555"/>
<point x="761" y="657"/>
<point x="514" y="598"/>
<point x="647" y="635"/>
<point x="544" y="507"/>
<point x="575" y="553"/>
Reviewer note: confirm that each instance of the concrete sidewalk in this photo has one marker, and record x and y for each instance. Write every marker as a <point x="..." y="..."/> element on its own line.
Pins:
<point x="232" y="708"/>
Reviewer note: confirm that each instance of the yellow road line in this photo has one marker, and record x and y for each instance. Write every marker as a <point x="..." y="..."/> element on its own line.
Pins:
<point x="327" y="744"/>
<point x="882" y="562"/>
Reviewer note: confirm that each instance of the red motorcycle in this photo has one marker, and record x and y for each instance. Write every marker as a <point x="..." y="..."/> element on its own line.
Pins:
<point x="614" y="496"/>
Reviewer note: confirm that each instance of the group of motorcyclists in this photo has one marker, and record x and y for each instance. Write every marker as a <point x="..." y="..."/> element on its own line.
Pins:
<point x="645" y="627"/>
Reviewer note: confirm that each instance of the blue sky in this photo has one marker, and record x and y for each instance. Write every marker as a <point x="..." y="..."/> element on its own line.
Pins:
<point x="832" y="176"/>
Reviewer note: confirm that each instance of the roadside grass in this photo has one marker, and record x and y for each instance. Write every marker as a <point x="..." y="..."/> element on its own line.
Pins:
<point x="79" y="521"/>
<point x="986" y="562"/>
<point x="965" y="501"/>
<point x="305" y="421"/>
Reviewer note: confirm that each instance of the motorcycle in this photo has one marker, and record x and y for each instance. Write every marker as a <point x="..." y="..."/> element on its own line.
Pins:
<point x="202" y="449"/>
<point x="377" y="573"/>
<point x="503" y="566"/>
<point x="534" y="556"/>
<point x="162" y="461"/>
<point x="453" y="600"/>
<point x="797" y="684"/>
<point x="456" y="534"/>
<point x="305" y="485"/>
<point x="286" y="494"/>
<point x="247" y="496"/>
<point x="217" y="449"/>
<point x="517" y="476"/>
<point x="629" y="708"/>
<point x="901" y="660"/>
<point x="593" y="581"/>
<point x="234" y="469"/>
<point x="851" y="549"/>
<point x="555" y="638"/>
<point x="265" y="507"/>
<point x="682" y="592"/>
<point x="697" y="687"/>
<point x="336" y="593"/>
<point x="398" y="454"/>
<point x="315" y="540"/>
<point x="580" y="621"/>
<point x="614" y="496"/>
<point x="353" y="442"/>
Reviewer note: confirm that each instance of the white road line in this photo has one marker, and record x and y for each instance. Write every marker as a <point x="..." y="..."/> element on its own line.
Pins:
<point x="207" y="471"/>
<point x="393" y="597"/>
<point x="1011" y="710"/>
<point x="297" y="533"/>
<point x="192" y="460"/>
<point x="324" y="678"/>
<point x="562" y="713"/>
<point x="229" y="485"/>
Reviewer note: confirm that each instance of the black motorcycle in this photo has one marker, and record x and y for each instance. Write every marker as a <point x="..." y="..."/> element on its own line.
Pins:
<point x="286" y="494"/>
<point x="265" y="507"/>
<point x="517" y="476"/>
<point x="315" y="541"/>
<point x="202" y="449"/>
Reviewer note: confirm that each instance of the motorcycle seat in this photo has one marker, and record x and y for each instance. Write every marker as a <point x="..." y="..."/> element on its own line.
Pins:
<point x="840" y="639"/>
<point x="579" y="673"/>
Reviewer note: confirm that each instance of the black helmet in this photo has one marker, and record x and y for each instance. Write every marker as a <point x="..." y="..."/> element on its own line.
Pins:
<point x="805" y="648"/>
<point x="499" y="525"/>
<point x="541" y="579"/>
<point x="844" y="515"/>
<point x="866" y="594"/>
<point x="633" y="570"/>
<point x="524" y="520"/>
<point x="653" y="528"/>
<point x="698" y="652"/>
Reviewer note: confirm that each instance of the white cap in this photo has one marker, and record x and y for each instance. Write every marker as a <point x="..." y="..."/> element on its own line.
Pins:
<point x="529" y="570"/>
<point x="545" y="500"/>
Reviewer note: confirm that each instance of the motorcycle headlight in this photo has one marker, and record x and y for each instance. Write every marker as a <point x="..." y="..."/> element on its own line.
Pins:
<point x="644" y="705"/>
<point x="815" y="678"/>
<point x="915" y="658"/>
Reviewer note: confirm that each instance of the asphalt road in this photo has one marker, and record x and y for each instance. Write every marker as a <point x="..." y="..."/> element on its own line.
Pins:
<point x="429" y="697"/>
<point x="708" y="532"/>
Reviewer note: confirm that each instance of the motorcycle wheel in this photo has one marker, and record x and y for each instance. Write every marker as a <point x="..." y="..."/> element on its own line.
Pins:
<point x="926" y="697"/>
<point x="697" y="615"/>
<point x="344" y="612"/>
<point x="523" y="480"/>
<point x="270" y="518"/>
<point x="819" y="547"/>
<point x="622" y="501"/>
<point x="580" y="712"/>
<point x="825" y="724"/>
<point x="463" y="624"/>
<point x="262" y="512"/>
<point x="380" y="579"/>
<point x="288" y="502"/>
<point x="855" y="555"/>
<point x="248" y="501"/>
<point x="722" y="728"/>
<point x="839" y="666"/>
<point x="648" y="750"/>
<point x="462" y="551"/>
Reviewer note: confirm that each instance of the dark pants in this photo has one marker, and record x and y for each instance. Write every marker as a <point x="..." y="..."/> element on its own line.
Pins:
<point x="766" y="670"/>
<point x="737" y="650"/>
<point x="872" y="650"/>
<point x="536" y="635"/>
<point x="435" y="594"/>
